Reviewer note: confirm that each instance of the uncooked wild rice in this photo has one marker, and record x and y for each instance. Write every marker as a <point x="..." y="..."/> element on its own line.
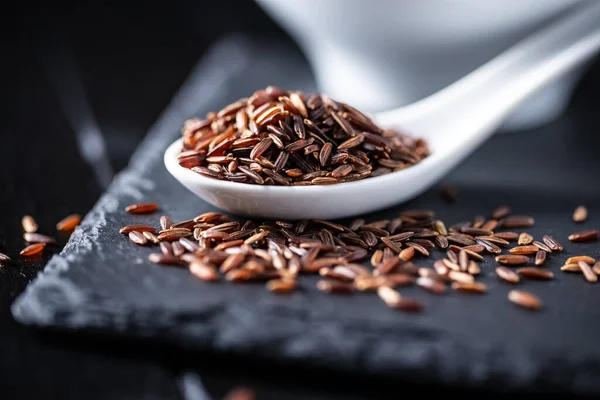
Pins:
<point x="68" y="223"/>
<point x="29" y="224"/>
<point x="584" y="236"/>
<point x="525" y="299"/>
<point x="277" y="253"/>
<point x="281" y="137"/>
<point x="33" y="249"/>
<point x="36" y="242"/>
<point x="38" y="238"/>
<point x="580" y="214"/>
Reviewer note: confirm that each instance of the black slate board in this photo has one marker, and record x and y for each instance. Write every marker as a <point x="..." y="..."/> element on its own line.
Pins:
<point x="101" y="282"/>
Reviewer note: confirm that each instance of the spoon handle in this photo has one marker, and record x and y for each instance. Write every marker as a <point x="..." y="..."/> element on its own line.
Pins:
<point x="472" y="108"/>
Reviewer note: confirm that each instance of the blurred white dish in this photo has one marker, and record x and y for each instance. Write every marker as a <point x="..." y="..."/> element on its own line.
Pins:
<point x="384" y="54"/>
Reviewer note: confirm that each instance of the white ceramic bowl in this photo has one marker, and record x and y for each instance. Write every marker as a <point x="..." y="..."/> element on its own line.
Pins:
<point x="382" y="54"/>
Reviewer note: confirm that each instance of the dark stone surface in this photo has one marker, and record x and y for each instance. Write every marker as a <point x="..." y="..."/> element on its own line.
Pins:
<point x="101" y="283"/>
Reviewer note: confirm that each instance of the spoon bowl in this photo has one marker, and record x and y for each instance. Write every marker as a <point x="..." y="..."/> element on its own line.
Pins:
<point x="454" y="122"/>
<point x="300" y="202"/>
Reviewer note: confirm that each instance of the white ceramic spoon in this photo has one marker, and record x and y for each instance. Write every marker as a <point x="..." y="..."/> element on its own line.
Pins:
<point x="454" y="121"/>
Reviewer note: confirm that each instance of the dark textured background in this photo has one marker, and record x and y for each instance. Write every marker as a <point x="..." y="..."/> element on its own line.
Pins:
<point x="132" y="59"/>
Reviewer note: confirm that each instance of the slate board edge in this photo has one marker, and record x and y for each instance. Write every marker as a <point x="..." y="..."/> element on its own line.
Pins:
<point x="197" y="92"/>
